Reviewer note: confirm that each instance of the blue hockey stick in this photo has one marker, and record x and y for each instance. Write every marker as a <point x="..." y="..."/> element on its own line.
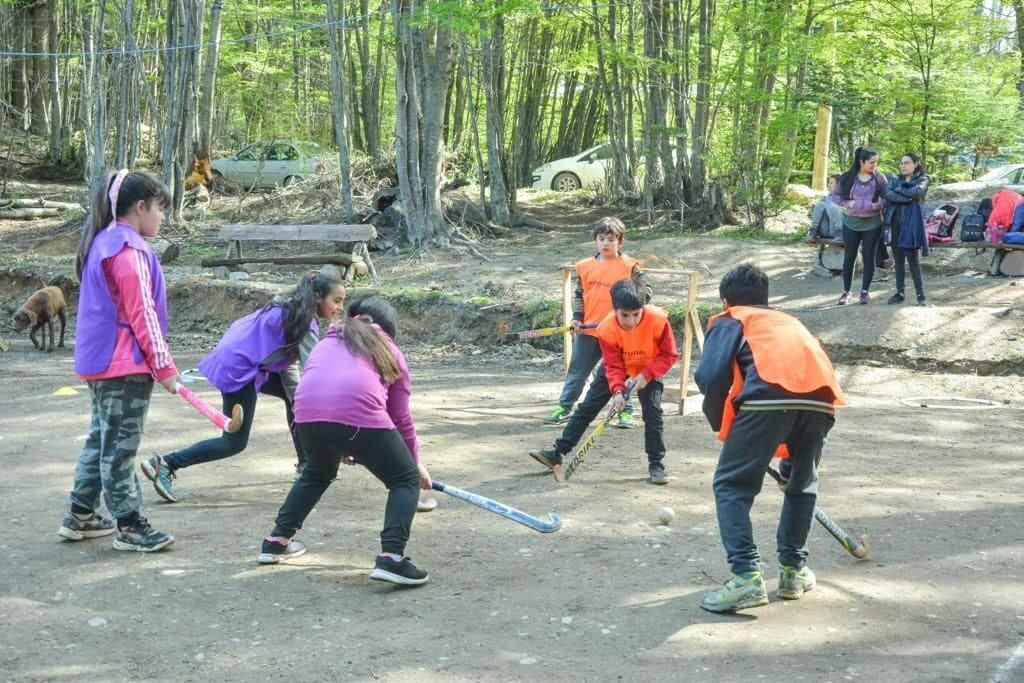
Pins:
<point x="545" y="527"/>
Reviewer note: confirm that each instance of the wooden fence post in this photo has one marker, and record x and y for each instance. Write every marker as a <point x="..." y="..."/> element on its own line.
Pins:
<point x="566" y="316"/>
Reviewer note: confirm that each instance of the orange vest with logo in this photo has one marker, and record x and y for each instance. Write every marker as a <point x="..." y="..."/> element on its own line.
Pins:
<point x="597" y="278"/>
<point x="639" y="345"/>
<point x="785" y="353"/>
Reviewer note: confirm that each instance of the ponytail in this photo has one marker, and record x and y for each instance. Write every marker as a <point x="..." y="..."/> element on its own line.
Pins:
<point x="362" y="339"/>
<point x="860" y="155"/>
<point x="113" y="197"/>
<point x="300" y="308"/>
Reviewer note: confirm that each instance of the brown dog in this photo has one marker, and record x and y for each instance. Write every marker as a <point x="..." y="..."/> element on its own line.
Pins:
<point x="40" y="309"/>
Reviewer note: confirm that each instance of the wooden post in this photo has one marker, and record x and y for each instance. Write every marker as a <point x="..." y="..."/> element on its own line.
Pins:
<point x="823" y="132"/>
<point x="688" y="333"/>
<point x="566" y="316"/>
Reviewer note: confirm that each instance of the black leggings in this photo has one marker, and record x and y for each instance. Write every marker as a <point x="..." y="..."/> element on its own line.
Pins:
<point x="867" y="240"/>
<point x="913" y="261"/>
<point x="382" y="451"/>
<point x="226" y="445"/>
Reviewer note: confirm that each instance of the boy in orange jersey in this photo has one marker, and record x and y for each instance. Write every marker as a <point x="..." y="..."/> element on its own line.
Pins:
<point x="769" y="388"/>
<point x="636" y="344"/>
<point x="594" y="278"/>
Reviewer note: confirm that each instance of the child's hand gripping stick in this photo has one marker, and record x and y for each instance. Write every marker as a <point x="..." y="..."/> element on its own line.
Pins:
<point x="228" y="424"/>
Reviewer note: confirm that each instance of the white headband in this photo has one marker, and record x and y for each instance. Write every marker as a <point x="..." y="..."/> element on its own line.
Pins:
<point x="115" y="189"/>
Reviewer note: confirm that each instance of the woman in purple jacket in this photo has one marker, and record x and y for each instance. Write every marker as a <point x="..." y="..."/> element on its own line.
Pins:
<point x="861" y="192"/>
<point x="259" y="354"/>
<point x="352" y="406"/>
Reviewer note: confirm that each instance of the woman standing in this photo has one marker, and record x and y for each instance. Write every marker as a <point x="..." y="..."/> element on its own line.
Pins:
<point x="904" y="195"/>
<point x="861" y="192"/>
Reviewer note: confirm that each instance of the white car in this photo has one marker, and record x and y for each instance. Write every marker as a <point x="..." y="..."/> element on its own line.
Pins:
<point x="1005" y="177"/>
<point x="266" y="164"/>
<point x="575" y="172"/>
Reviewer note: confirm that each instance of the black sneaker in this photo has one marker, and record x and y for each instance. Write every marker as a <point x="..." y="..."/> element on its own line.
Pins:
<point x="895" y="299"/>
<point x="548" y="457"/>
<point x="274" y="550"/>
<point x="141" y="537"/>
<point x="658" y="473"/>
<point x="403" y="573"/>
<point x="922" y="300"/>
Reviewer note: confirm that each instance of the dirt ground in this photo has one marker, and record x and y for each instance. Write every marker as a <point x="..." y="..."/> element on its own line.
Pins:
<point x="615" y="594"/>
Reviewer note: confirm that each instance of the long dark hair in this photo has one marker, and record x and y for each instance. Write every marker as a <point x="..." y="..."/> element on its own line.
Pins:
<point x="860" y="155"/>
<point x="918" y="166"/>
<point x="363" y="340"/>
<point x="135" y="187"/>
<point x="300" y="307"/>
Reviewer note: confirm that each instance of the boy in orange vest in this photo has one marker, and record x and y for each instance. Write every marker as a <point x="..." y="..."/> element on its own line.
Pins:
<point x="594" y="278"/>
<point x="768" y="389"/>
<point x="636" y="344"/>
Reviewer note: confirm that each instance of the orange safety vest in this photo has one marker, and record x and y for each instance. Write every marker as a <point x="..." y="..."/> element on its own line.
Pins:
<point x="639" y="345"/>
<point x="597" y="278"/>
<point x="785" y="353"/>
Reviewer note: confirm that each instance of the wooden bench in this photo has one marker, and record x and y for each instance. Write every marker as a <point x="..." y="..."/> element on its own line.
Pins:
<point x="1000" y="250"/>
<point x="358" y="235"/>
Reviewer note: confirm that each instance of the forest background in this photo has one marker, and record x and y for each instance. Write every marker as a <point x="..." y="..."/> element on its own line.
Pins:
<point x="491" y="89"/>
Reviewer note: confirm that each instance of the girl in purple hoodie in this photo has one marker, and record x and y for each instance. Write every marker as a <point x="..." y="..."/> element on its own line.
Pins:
<point x="260" y="353"/>
<point x="120" y="351"/>
<point x="861" y="191"/>
<point x="352" y="406"/>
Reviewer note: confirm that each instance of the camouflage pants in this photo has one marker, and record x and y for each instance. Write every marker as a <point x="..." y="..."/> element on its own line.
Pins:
<point x="107" y="462"/>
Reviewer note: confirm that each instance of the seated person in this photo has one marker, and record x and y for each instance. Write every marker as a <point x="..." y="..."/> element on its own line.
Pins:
<point x="827" y="216"/>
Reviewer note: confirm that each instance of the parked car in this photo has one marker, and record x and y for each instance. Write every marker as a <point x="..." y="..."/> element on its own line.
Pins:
<point x="575" y="172"/>
<point x="1009" y="177"/>
<point x="270" y="163"/>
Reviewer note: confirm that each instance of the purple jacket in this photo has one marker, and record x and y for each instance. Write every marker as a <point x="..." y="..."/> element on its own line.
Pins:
<point x="866" y="199"/>
<point x="246" y="352"/>
<point x="98" y="321"/>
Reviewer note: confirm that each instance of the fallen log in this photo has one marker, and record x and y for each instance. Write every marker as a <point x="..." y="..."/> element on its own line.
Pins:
<point x="333" y="259"/>
<point x="28" y="214"/>
<point x="38" y="204"/>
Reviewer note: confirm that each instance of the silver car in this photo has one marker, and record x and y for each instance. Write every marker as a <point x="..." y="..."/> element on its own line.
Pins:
<point x="1002" y="178"/>
<point x="270" y="163"/>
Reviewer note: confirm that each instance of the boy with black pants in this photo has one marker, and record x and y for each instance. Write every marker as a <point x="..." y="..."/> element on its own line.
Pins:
<point x="769" y="388"/>
<point x="636" y="344"/>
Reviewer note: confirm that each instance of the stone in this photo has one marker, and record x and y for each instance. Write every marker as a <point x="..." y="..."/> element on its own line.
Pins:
<point x="239" y="276"/>
<point x="832" y="257"/>
<point x="5" y="344"/>
<point x="1012" y="264"/>
<point x="221" y="273"/>
<point x="333" y="271"/>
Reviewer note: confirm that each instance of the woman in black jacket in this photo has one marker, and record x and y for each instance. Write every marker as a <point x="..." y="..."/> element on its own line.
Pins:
<point x="904" y="195"/>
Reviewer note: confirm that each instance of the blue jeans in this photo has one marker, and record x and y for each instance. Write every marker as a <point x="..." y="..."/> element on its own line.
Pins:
<point x="226" y="445"/>
<point x="750" y="446"/>
<point x="586" y="354"/>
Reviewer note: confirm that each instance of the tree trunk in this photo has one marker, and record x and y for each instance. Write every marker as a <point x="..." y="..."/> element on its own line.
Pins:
<point x="793" y="111"/>
<point x="94" y="110"/>
<point x="422" y="69"/>
<point x="40" y="68"/>
<point x="210" y="63"/>
<point x="492" y="44"/>
<point x="702" y="106"/>
<point x="56" y="142"/>
<point x="340" y="106"/>
<point x="1018" y="9"/>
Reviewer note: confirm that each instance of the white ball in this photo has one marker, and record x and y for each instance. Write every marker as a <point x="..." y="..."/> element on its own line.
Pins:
<point x="666" y="515"/>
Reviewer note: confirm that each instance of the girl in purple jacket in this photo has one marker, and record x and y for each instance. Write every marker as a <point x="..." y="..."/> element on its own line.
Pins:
<point x="352" y="406"/>
<point x="861" y="191"/>
<point x="260" y="353"/>
<point x="120" y="351"/>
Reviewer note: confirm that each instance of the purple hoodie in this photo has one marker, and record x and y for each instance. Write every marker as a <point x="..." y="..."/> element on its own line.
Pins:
<point x="866" y="198"/>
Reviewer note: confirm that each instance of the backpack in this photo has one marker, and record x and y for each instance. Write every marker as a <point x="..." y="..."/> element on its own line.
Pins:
<point x="939" y="226"/>
<point x="973" y="228"/>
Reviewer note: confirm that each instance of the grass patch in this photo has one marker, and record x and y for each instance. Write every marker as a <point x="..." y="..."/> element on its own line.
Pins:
<point x="200" y="250"/>
<point x="759" y="236"/>
<point x="705" y="310"/>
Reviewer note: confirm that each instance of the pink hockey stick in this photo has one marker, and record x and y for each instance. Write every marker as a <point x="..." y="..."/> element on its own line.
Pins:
<point x="227" y="424"/>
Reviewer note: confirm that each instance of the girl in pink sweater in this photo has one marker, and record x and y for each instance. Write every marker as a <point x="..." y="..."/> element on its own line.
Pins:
<point x="352" y="406"/>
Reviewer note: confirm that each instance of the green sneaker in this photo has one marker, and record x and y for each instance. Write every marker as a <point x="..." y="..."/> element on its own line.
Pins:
<point x="739" y="592"/>
<point x="794" y="582"/>
<point x="626" y="420"/>
<point x="558" y="416"/>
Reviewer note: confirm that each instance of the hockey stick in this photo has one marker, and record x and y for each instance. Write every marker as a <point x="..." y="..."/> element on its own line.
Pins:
<point x="227" y="424"/>
<point x="588" y="445"/>
<point x="541" y="332"/>
<point x="545" y="527"/>
<point x="859" y="550"/>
